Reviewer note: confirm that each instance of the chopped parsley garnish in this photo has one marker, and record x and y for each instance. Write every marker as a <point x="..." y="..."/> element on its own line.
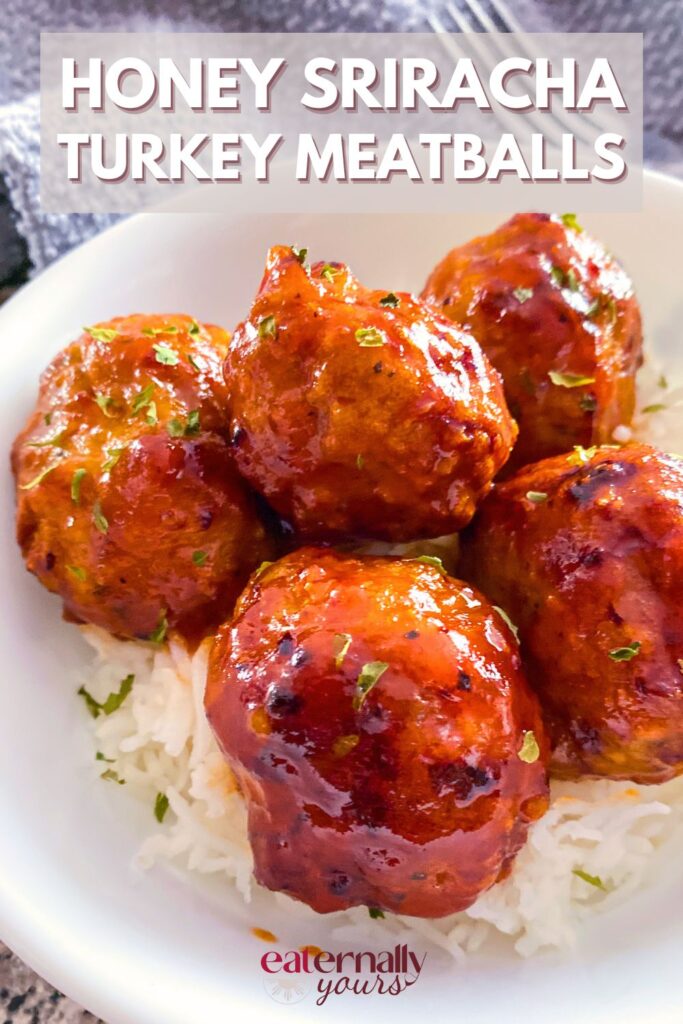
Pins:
<point x="529" y="750"/>
<point x="370" y="337"/>
<point x="507" y="620"/>
<point x="267" y="327"/>
<point x="50" y="442"/>
<point x="368" y="677"/>
<point x="612" y="308"/>
<point x="111" y="776"/>
<point x="151" y="416"/>
<point x="76" y="481"/>
<point x="390" y="300"/>
<point x="300" y="254"/>
<point x="37" y="479"/>
<point x="193" y="362"/>
<point x="328" y="271"/>
<point x="113" y="701"/>
<point x="193" y="330"/>
<point x="101" y="333"/>
<point x="113" y="456"/>
<point x="178" y="429"/>
<point x="432" y="560"/>
<point x="165" y="355"/>
<point x="343" y="745"/>
<point x="625" y="653"/>
<point x="593" y="309"/>
<point x="262" y="568"/>
<point x="536" y="497"/>
<point x="655" y="407"/>
<point x="569" y="380"/>
<point x="593" y="880"/>
<point x="104" y="401"/>
<point x="199" y="557"/>
<point x="523" y="294"/>
<point x="160" y="807"/>
<point x="580" y="456"/>
<point x="375" y="913"/>
<point x="154" y="332"/>
<point x="99" y="756"/>
<point x="340" y="647"/>
<point x="143" y="398"/>
<point x="47" y="418"/>
<point x="569" y="220"/>
<point x="79" y="573"/>
<point x="565" y="278"/>
<point x="99" y="519"/>
<point x="158" y="635"/>
<point x="662" y="382"/>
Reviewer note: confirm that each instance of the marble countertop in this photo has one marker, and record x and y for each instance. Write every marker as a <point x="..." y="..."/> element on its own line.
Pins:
<point x="27" y="999"/>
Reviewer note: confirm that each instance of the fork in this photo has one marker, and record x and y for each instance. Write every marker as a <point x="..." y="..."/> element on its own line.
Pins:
<point x="488" y="48"/>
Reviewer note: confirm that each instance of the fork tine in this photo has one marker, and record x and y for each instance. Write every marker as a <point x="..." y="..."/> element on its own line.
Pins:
<point x="459" y="19"/>
<point x="481" y="16"/>
<point x="511" y="24"/>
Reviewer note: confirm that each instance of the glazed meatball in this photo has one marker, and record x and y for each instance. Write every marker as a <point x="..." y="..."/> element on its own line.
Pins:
<point x="585" y="553"/>
<point x="128" y="502"/>
<point x="361" y="413"/>
<point x="381" y="729"/>
<point x="556" y="314"/>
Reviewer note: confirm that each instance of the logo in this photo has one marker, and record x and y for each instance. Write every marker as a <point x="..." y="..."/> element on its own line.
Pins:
<point x="290" y="976"/>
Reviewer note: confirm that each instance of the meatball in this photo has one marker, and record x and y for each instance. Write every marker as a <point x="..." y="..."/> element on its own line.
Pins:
<point x="361" y="413"/>
<point x="129" y="505"/>
<point x="381" y="729"/>
<point x="557" y="316"/>
<point x="585" y="552"/>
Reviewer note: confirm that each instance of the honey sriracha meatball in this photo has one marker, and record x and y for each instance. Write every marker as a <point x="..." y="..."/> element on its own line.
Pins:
<point x="361" y="413"/>
<point x="557" y="316"/>
<point x="381" y="730"/>
<point x="128" y="502"/>
<point x="585" y="553"/>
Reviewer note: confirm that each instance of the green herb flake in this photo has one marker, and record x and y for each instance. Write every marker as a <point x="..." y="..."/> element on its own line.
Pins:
<point x="329" y="272"/>
<point x="529" y="752"/>
<point x="50" y="442"/>
<point x="160" y="807"/>
<point x="193" y="362"/>
<point x="593" y="880"/>
<point x="99" y="756"/>
<point x="569" y="220"/>
<point x="158" y="635"/>
<point x="165" y="355"/>
<point x="370" y="337"/>
<point x="375" y="913"/>
<point x="593" y="309"/>
<point x="507" y="620"/>
<point x="47" y="419"/>
<point x="99" y="519"/>
<point x="536" y="497"/>
<point x="93" y="706"/>
<point x="389" y="301"/>
<point x="343" y="745"/>
<point x="101" y="333"/>
<point x="267" y="327"/>
<point x="625" y="653"/>
<point x="192" y="423"/>
<point x="523" y="294"/>
<point x="104" y="401"/>
<point x="79" y="573"/>
<point x="565" y="278"/>
<point x="76" y="481"/>
<point x="340" y="647"/>
<point x="368" y="677"/>
<point x="300" y="253"/>
<point x="154" y="332"/>
<point x="433" y="561"/>
<point x="176" y="428"/>
<point x="655" y="407"/>
<point x="111" y="776"/>
<point x="662" y="382"/>
<point x="612" y="309"/>
<point x="113" y="456"/>
<point x="262" y="568"/>
<point x="569" y="380"/>
<point x="199" y="557"/>
<point x="580" y="456"/>
<point x="143" y="398"/>
<point x="193" y="330"/>
<point x="37" y="479"/>
<point x="151" y="416"/>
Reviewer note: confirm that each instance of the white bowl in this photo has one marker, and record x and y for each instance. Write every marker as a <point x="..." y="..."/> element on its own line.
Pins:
<point x="146" y="949"/>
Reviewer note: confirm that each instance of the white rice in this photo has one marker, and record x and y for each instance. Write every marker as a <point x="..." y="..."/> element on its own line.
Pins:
<point x="159" y="742"/>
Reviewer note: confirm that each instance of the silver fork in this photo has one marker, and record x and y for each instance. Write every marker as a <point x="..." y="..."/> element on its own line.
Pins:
<point x="488" y="49"/>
